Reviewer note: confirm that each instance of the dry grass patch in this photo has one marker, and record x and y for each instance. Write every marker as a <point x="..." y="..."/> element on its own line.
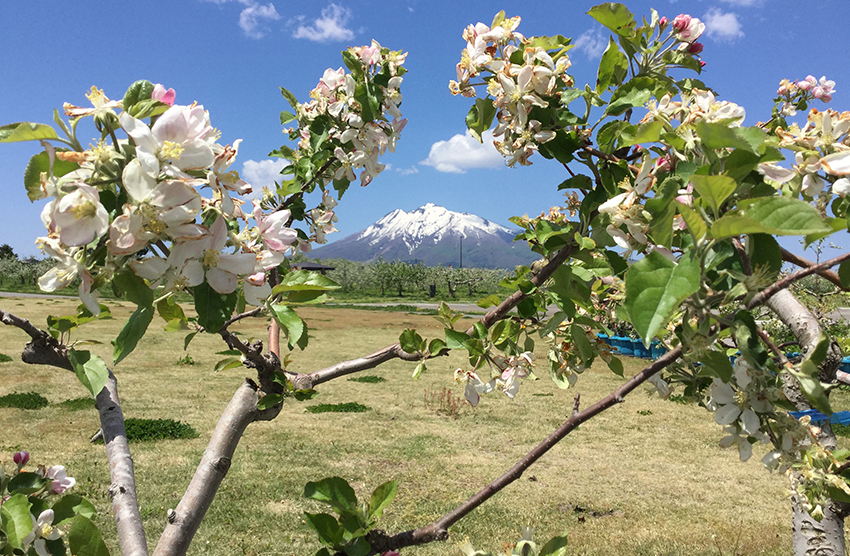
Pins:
<point x="647" y="477"/>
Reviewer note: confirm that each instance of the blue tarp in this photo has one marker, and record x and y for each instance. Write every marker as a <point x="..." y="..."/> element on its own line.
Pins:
<point x="840" y="417"/>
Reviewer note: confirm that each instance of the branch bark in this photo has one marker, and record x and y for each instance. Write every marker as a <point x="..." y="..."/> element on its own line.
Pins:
<point x="183" y="522"/>
<point x="792" y="258"/>
<point x="122" y="490"/>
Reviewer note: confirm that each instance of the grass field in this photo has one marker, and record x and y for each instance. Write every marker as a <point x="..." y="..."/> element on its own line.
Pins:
<point x="645" y="478"/>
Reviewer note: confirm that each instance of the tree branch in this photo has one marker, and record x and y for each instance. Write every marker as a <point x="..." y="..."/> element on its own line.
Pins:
<point x="830" y="275"/>
<point x="183" y="522"/>
<point x="438" y="530"/>
<point x="771" y="290"/>
<point x="42" y="349"/>
<point x="122" y="491"/>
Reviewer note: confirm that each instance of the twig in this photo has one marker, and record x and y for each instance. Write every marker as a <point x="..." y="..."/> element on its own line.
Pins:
<point x="778" y="353"/>
<point x="42" y="349"/>
<point x="236" y="318"/>
<point x="768" y="292"/>
<point x="438" y="530"/>
<point x="576" y="401"/>
<point x="830" y="275"/>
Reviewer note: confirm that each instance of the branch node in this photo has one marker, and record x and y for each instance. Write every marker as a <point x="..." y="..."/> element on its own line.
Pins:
<point x="619" y="399"/>
<point x="576" y="401"/>
<point x="171" y="515"/>
<point x="115" y="490"/>
<point x="222" y="465"/>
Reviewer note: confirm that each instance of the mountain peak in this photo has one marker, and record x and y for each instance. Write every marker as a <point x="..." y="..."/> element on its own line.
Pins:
<point x="432" y="234"/>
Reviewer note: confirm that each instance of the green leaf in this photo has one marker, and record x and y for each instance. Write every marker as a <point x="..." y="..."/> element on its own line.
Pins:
<point x="137" y="92"/>
<point x="480" y="117"/>
<point x="420" y="368"/>
<point x="719" y="364"/>
<point x="286" y="117"/>
<point x="717" y="135"/>
<point x="844" y="273"/>
<point x="16" y="520"/>
<point x="290" y="322"/>
<point x="84" y="538"/>
<point x="212" y="307"/>
<point x="189" y="337"/>
<point x="655" y="287"/>
<point x="290" y="98"/>
<point x="131" y="333"/>
<point x="132" y="288"/>
<point x="304" y="280"/>
<point x="635" y="92"/>
<point x="781" y="216"/>
<point x="269" y="400"/>
<point x="745" y="331"/>
<point x="305" y="394"/>
<point x="765" y="252"/>
<point x="694" y="221"/>
<point x="714" y="190"/>
<point x="436" y="346"/>
<point x="557" y="546"/>
<point x="90" y="369"/>
<point x="411" y="341"/>
<point x="612" y="67"/>
<point x="26" y="131"/>
<point x="455" y="339"/>
<point x="812" y="387"/>
<point x="70" y="506"/>
<point x="616" y="366"/>
<point x="381" y="498"/>
<point x="643" y="133"/>
<point x="585" y="350"/>
<point x="358" y="547"/>
<point x="26" y="483"/>
<point x="615" y="17"/>
<point x="229" y="363"/>
<point x="334" y="491"/>
<point x="41" y="163"/>
<point x="489" y="301"/>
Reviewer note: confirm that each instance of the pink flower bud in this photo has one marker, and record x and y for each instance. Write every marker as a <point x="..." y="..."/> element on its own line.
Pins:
<point x="681" y="22"/>
<point x="160" y="94"/>
<point x="695" y="48"/>
<point x="663" y="22"/>
<point x="21" y="458"/>
<point x="701" y="64"/>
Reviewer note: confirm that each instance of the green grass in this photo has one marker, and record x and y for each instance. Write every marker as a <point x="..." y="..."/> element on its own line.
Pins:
<point x="77" y="404"/>
<point x="146" y="430"/>
<point x="25" y="400"/>
<point x="5" y="358"/>
<point x="646" y="477"/>
<point x="349" y="407"/>
<point x="368" y="379"/>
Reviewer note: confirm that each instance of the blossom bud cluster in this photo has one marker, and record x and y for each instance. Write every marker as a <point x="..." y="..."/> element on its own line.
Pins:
<point x="821" y="155"/>
<point x="519" y="77"/>
<point x="507" y="372"/>
<point x="357" y="135"/>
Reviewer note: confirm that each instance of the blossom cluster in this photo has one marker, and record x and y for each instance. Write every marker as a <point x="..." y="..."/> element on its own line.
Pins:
<point x="517" y="87"/>
<point x="507" y="371"/>
<point x="359" y="136"/>
<point x="821" y="155"/>
<point x="55" y="481"/>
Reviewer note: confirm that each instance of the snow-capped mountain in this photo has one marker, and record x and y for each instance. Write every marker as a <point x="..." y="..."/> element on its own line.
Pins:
<point x="435" y="236"/>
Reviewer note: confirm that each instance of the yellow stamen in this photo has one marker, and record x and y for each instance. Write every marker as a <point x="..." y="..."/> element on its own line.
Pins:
<point x="172" y="150"/>
<point x="84" y="210"/>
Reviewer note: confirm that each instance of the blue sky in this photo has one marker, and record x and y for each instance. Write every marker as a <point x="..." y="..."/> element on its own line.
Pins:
<point x="232" y="55"/>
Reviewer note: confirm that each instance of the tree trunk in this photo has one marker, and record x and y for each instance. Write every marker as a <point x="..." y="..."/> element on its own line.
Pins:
<point x="810" y="537"/>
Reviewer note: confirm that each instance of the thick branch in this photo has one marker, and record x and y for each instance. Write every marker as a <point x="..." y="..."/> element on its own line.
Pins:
<point x="43" y="349"/>
<point x="122" y="490"/>
<point x="439" y="529"/>
<point x="355" y="365"/>
<point x="183" y="522"/>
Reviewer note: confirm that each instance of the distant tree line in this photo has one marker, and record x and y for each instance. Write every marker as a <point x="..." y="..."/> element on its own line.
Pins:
<point x="15" y="272"/>
<point x="400" y="277"/>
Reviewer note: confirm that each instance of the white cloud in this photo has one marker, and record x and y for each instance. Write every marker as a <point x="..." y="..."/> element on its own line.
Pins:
<point x="262" y="173"/>
<point x="331" y="26"/>
<point x="407" y="171"/>
<point x="592" y="42"/>
<point x="253" y="17"/>
<point x="462" y="153"/>
<point x="722" y="26"/>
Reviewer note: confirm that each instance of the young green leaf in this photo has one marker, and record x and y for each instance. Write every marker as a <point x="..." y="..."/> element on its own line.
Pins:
<point x="26" y="131"/>
<point x="335" y="491"/>
<point x="90" y="369"/>
<point x="381" y="498"/>
<point x="782" y="216"/>
<point x="84" y="538"/>
<point x="16" y="520"/>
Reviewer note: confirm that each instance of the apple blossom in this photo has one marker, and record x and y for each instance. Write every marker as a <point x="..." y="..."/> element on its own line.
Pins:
<point x="687" y="29"/>
<point x="42" y="531"/>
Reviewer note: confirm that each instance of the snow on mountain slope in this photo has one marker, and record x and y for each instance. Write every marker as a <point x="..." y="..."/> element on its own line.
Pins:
<point x="433" y="235"/>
